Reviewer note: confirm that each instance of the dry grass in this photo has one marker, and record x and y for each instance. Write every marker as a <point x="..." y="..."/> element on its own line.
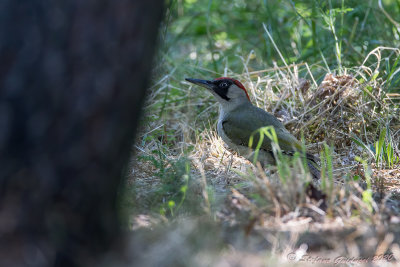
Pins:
<point x="260" y="219"/>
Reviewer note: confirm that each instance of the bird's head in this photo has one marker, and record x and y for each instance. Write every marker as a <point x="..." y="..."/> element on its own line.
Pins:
<point x="227" y="91"/>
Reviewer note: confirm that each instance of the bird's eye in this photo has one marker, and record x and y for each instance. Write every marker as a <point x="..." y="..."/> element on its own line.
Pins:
<point x="223" y="85"/>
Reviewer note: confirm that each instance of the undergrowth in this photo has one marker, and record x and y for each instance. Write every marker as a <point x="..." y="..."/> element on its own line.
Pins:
<point x="348" y="120"/>
<point x="344" y="107"/>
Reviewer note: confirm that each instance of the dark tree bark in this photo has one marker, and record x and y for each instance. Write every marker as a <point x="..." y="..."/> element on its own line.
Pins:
<point x="73" y="75"/>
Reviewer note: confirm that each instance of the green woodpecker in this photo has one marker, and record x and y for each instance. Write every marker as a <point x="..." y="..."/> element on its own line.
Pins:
<point x="239" y="119"/>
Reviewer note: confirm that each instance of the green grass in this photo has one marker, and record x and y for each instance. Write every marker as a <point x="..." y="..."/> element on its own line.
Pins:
<point x="349" y="119"/>
<point x="383" y="150"/>
<point x="328" y="33"/>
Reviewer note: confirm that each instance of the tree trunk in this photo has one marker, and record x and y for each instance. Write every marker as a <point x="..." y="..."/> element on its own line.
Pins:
<point x="73" y="76"/>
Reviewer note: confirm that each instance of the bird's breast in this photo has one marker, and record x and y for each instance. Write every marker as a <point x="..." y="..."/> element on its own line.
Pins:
<point x="221" y="131"/>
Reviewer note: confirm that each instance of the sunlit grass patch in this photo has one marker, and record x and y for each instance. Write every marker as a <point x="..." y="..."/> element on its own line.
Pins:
<point x="347" y="114"/>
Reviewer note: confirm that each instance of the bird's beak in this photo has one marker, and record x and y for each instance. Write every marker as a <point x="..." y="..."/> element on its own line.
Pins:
<point x="202" y="83"/>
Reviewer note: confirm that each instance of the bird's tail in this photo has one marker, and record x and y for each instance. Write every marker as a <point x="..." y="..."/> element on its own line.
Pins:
<point x="313" y="166"/>
<point x="314" y="170"/>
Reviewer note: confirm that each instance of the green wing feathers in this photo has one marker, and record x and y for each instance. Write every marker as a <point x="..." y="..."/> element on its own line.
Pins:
<point x="239" y="126"/>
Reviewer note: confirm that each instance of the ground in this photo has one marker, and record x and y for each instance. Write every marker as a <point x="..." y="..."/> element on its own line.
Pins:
<point x="192" y="201"/>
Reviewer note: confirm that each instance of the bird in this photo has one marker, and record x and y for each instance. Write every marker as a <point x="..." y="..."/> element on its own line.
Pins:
<point x="239" y="119"/>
